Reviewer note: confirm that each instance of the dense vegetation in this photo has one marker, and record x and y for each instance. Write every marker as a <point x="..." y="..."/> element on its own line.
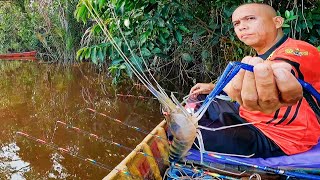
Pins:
<point x="182" y="41"/>
<point x="47" y="26"/>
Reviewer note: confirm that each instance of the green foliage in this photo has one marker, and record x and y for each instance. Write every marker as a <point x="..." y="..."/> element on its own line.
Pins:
<point x="59" y="32"/>
<point x="302" y="24"/>
<point x="149" y="28"/>
<point x="16" y="32"/>
<point x="182" y="40"/>
<point x="46" y="26"/>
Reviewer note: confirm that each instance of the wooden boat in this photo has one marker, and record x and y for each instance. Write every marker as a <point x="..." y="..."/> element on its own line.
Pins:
<point x="152" y="166"/>
<point x="149" y="160"/>
<point x="31" y="56"/>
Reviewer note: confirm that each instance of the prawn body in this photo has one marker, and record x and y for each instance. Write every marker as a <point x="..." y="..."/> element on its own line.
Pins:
<point x="183" y="127"/>
<point x="184" y="133"/>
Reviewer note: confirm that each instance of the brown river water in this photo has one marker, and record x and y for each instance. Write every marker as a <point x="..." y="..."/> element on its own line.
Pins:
<point x="33" y="97"/>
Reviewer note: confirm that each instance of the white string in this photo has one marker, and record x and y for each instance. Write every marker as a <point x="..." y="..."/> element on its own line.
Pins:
<point x="227" y="127"/>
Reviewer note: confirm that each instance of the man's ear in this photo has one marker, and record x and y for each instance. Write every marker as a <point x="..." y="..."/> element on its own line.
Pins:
<point x="278" y="21"/>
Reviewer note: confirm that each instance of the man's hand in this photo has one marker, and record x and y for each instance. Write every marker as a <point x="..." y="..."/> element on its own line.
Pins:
<point x="201" y="88"/>
<point x="270" y="87"/>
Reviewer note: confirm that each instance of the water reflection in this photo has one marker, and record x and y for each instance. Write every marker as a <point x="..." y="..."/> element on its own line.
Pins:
<point x="11" y="164"/>
<point x="58" y="171"/>
<point x="33" y="97"/>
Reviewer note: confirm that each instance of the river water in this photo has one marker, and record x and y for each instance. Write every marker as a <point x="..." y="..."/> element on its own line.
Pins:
<point x="34" y="97"/>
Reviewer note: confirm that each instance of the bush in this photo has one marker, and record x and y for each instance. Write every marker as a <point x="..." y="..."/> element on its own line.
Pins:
<point x="182" y="41"/>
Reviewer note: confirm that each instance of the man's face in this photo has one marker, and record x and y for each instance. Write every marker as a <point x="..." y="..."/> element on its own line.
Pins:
<point x="254" y="25"/>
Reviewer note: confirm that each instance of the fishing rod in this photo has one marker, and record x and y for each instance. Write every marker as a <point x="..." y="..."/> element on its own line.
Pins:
<point x="125" y="124"/>
<point x="105" y="140"/>
<point x="63" y="150"/>
<point x="133" y="96"/>
<point x="225" y="159"/>
<point x="268" y="169"/>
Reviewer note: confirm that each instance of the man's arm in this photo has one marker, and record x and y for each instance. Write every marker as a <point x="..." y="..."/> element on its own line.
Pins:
<point x="201" y="88"/>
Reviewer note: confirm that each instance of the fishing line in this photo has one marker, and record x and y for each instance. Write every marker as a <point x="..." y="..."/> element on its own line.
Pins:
<point x="63" y="150"/>
<point x="102" y="139"/>
<point x="133" y="96"/>
<point x="128" y="125"/>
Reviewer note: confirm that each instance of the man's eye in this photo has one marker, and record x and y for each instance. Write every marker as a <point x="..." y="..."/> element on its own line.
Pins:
<point x="235" y="24"/>
<point x="251" y="18"/>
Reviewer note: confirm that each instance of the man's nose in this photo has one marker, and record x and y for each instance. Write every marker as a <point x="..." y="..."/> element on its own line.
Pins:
<point x="243" y="26"/>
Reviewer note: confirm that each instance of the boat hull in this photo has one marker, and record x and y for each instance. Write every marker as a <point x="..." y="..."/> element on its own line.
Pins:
<point x="31" y="56"/>
<point x="150" y="165"/>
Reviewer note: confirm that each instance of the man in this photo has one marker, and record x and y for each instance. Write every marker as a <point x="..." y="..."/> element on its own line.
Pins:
<point x="283" y="123"/>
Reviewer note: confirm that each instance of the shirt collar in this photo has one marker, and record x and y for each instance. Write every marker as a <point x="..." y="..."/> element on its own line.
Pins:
<point x="274" y="47"/>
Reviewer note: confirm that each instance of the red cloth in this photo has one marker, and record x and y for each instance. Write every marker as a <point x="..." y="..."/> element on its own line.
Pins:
<point x="294" y="129"/>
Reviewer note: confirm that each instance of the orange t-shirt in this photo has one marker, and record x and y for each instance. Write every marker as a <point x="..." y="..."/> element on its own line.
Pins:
<point x="294" y="129"/>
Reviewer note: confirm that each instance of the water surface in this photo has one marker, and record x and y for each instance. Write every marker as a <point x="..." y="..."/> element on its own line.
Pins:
<point x="33" y="97"/>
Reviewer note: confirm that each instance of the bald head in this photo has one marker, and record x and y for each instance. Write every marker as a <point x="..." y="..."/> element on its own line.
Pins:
<point x="263" y="8"/>
<point x="257" y="25"/>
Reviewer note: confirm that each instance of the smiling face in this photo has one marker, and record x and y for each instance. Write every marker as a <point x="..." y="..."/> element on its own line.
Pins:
<point x="257" y="26"/>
